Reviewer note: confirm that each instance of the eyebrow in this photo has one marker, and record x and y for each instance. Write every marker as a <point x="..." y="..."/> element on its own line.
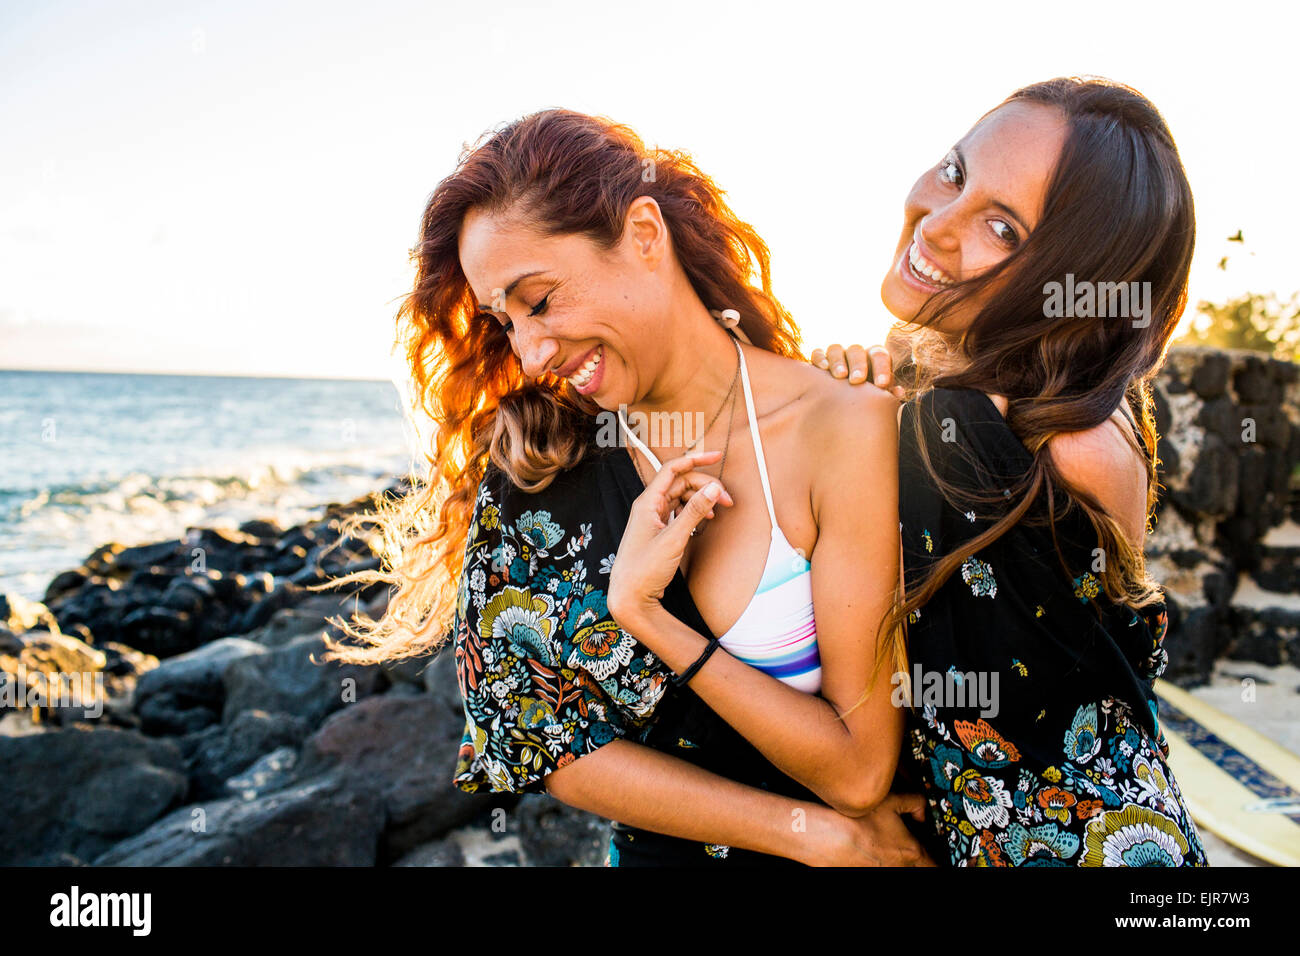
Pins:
<point x="961" y="158"/>
<point x="511" y="287"/>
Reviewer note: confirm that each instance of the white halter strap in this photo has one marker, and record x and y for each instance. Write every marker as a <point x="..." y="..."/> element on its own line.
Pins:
<point x="753" y="431"/>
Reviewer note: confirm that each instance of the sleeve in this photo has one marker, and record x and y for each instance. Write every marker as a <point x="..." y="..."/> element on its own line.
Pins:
<point x="539" y="662"/>
<point x="1156" y="620"/>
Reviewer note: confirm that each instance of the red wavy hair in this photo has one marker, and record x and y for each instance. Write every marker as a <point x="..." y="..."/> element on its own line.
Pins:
<point x="563" y="173"/>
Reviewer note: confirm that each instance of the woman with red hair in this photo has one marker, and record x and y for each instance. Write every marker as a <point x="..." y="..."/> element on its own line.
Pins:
<point x="566" y="275"/>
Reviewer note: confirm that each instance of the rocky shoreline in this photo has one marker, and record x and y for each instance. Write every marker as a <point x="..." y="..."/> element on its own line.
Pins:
<point x="209" y="736"/>
<point x="215" y="740"/>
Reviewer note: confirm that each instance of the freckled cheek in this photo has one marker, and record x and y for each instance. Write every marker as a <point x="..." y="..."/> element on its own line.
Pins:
<point x="977" y="257"/>
<point x="964" y="314"/>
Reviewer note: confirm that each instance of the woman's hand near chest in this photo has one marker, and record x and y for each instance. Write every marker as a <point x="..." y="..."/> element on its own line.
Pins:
<point x="677" y="500"/>
<point x="844" y="743"/>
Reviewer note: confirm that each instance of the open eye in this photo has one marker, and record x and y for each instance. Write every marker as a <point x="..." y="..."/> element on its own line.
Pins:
<point x="1004" y="231"/>
<point x="950" y="172"/>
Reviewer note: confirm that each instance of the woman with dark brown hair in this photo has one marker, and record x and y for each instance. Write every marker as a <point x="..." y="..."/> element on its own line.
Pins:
<point x="1040" y="273"/>
<point x="566" y="274"/>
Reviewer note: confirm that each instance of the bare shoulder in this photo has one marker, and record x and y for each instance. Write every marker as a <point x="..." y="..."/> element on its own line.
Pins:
<point x="1100" y="462"/>
<point x="834" y="426"/>
<point x="839" y="414"/>
<point x="850" y="436"/>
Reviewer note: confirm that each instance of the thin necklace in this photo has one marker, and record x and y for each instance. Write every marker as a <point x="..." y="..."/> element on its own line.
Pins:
<point x="731" y="391"/>
<point x="726" y="446"/>
<point x="731" y="422"/>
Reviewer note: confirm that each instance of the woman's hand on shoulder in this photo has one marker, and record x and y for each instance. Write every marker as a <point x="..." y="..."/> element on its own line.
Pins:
<point x="859" y="364"/>
<point x="852" y="434"/>
<point x="873" y="363"/>
<point x="851" y="415"/>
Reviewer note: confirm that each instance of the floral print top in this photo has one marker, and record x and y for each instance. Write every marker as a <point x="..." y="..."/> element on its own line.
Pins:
<point x="546" y="675"/>
<point x="1034" y="731"/>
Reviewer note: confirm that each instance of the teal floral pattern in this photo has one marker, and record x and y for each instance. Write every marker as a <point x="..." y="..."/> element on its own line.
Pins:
<point x="979" y="575"/>
<point x="1066" y="765"/>
<point x="545" y="674"/>
<point x="1109" y="800"/>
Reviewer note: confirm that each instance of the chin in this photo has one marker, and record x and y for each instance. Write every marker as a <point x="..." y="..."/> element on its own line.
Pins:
<point x="902" y="303"/>
<point x="612" y="396"/>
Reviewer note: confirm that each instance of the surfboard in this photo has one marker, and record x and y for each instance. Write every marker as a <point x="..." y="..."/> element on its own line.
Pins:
<point x="1238" y="784"/>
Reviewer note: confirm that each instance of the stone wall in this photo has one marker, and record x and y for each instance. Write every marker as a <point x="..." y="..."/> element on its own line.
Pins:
<point x="1227" y="532"/>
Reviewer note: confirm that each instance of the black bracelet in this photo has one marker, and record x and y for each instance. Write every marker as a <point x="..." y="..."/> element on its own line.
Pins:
<point x="681" y="679"/>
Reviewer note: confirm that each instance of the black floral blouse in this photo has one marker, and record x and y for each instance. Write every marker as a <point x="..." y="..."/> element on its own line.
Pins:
<point x="547" y="676"/>
<point x="1034" y="732"/>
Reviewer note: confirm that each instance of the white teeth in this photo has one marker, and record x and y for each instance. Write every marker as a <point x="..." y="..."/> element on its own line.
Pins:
<point x="925" y="268"/>
<point x="582" y="376"/>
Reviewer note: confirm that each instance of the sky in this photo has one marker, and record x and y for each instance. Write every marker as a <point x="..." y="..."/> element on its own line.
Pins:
<point x="235" y="188"/>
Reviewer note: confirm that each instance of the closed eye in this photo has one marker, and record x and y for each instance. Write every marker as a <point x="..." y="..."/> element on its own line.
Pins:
<point x="506" y="326"/>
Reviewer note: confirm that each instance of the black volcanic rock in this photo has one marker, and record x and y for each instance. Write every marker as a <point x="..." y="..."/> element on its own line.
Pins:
<point x="1229" y="424"/>
<point x="316" y="823"/>
<point x="78" y="791"/>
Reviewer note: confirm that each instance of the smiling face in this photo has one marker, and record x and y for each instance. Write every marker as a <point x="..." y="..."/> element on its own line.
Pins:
<point x="974" y="209"/>
<point x="570" y="307"/>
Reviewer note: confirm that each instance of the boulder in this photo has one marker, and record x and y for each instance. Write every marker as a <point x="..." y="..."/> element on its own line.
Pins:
<point x="186" y="693"/>
<point x="319" y="822"/>
<point x="287" y="679"/>
<point x="78" y="791"/>
<point x="217" y="753"/>
<point x="1229" y="425"/>
<point x="404" y="748"/>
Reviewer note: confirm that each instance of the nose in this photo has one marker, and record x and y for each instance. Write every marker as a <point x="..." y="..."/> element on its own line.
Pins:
<point x="939" y="227"/>
<point x="536" y="352"/>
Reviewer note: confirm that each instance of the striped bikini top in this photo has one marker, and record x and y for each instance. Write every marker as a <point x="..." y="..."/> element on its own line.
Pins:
<point x="776" y="632"/>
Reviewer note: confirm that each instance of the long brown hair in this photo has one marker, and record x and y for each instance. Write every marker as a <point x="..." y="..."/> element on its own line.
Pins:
<point x="566" y="173"/>
<point x="1118" y="209"/>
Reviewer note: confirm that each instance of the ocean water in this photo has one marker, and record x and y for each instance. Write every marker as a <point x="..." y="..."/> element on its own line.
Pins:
<point x="87" y="458"/>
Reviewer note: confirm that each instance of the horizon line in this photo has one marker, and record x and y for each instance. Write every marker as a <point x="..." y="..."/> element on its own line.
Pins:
<point x="193" y="373"/>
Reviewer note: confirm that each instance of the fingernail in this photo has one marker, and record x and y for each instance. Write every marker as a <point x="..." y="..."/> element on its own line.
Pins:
<point x="711" y="490"/>
<point x="839" y="370"/>
<point x="855" y="376"/>
<point x="880" y="380"/>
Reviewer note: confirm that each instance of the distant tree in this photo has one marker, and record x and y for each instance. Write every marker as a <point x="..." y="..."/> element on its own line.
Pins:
<point x="1263" y="323"/>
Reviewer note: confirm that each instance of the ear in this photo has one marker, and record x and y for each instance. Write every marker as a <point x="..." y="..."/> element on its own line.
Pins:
<point x="646" y="232"/>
